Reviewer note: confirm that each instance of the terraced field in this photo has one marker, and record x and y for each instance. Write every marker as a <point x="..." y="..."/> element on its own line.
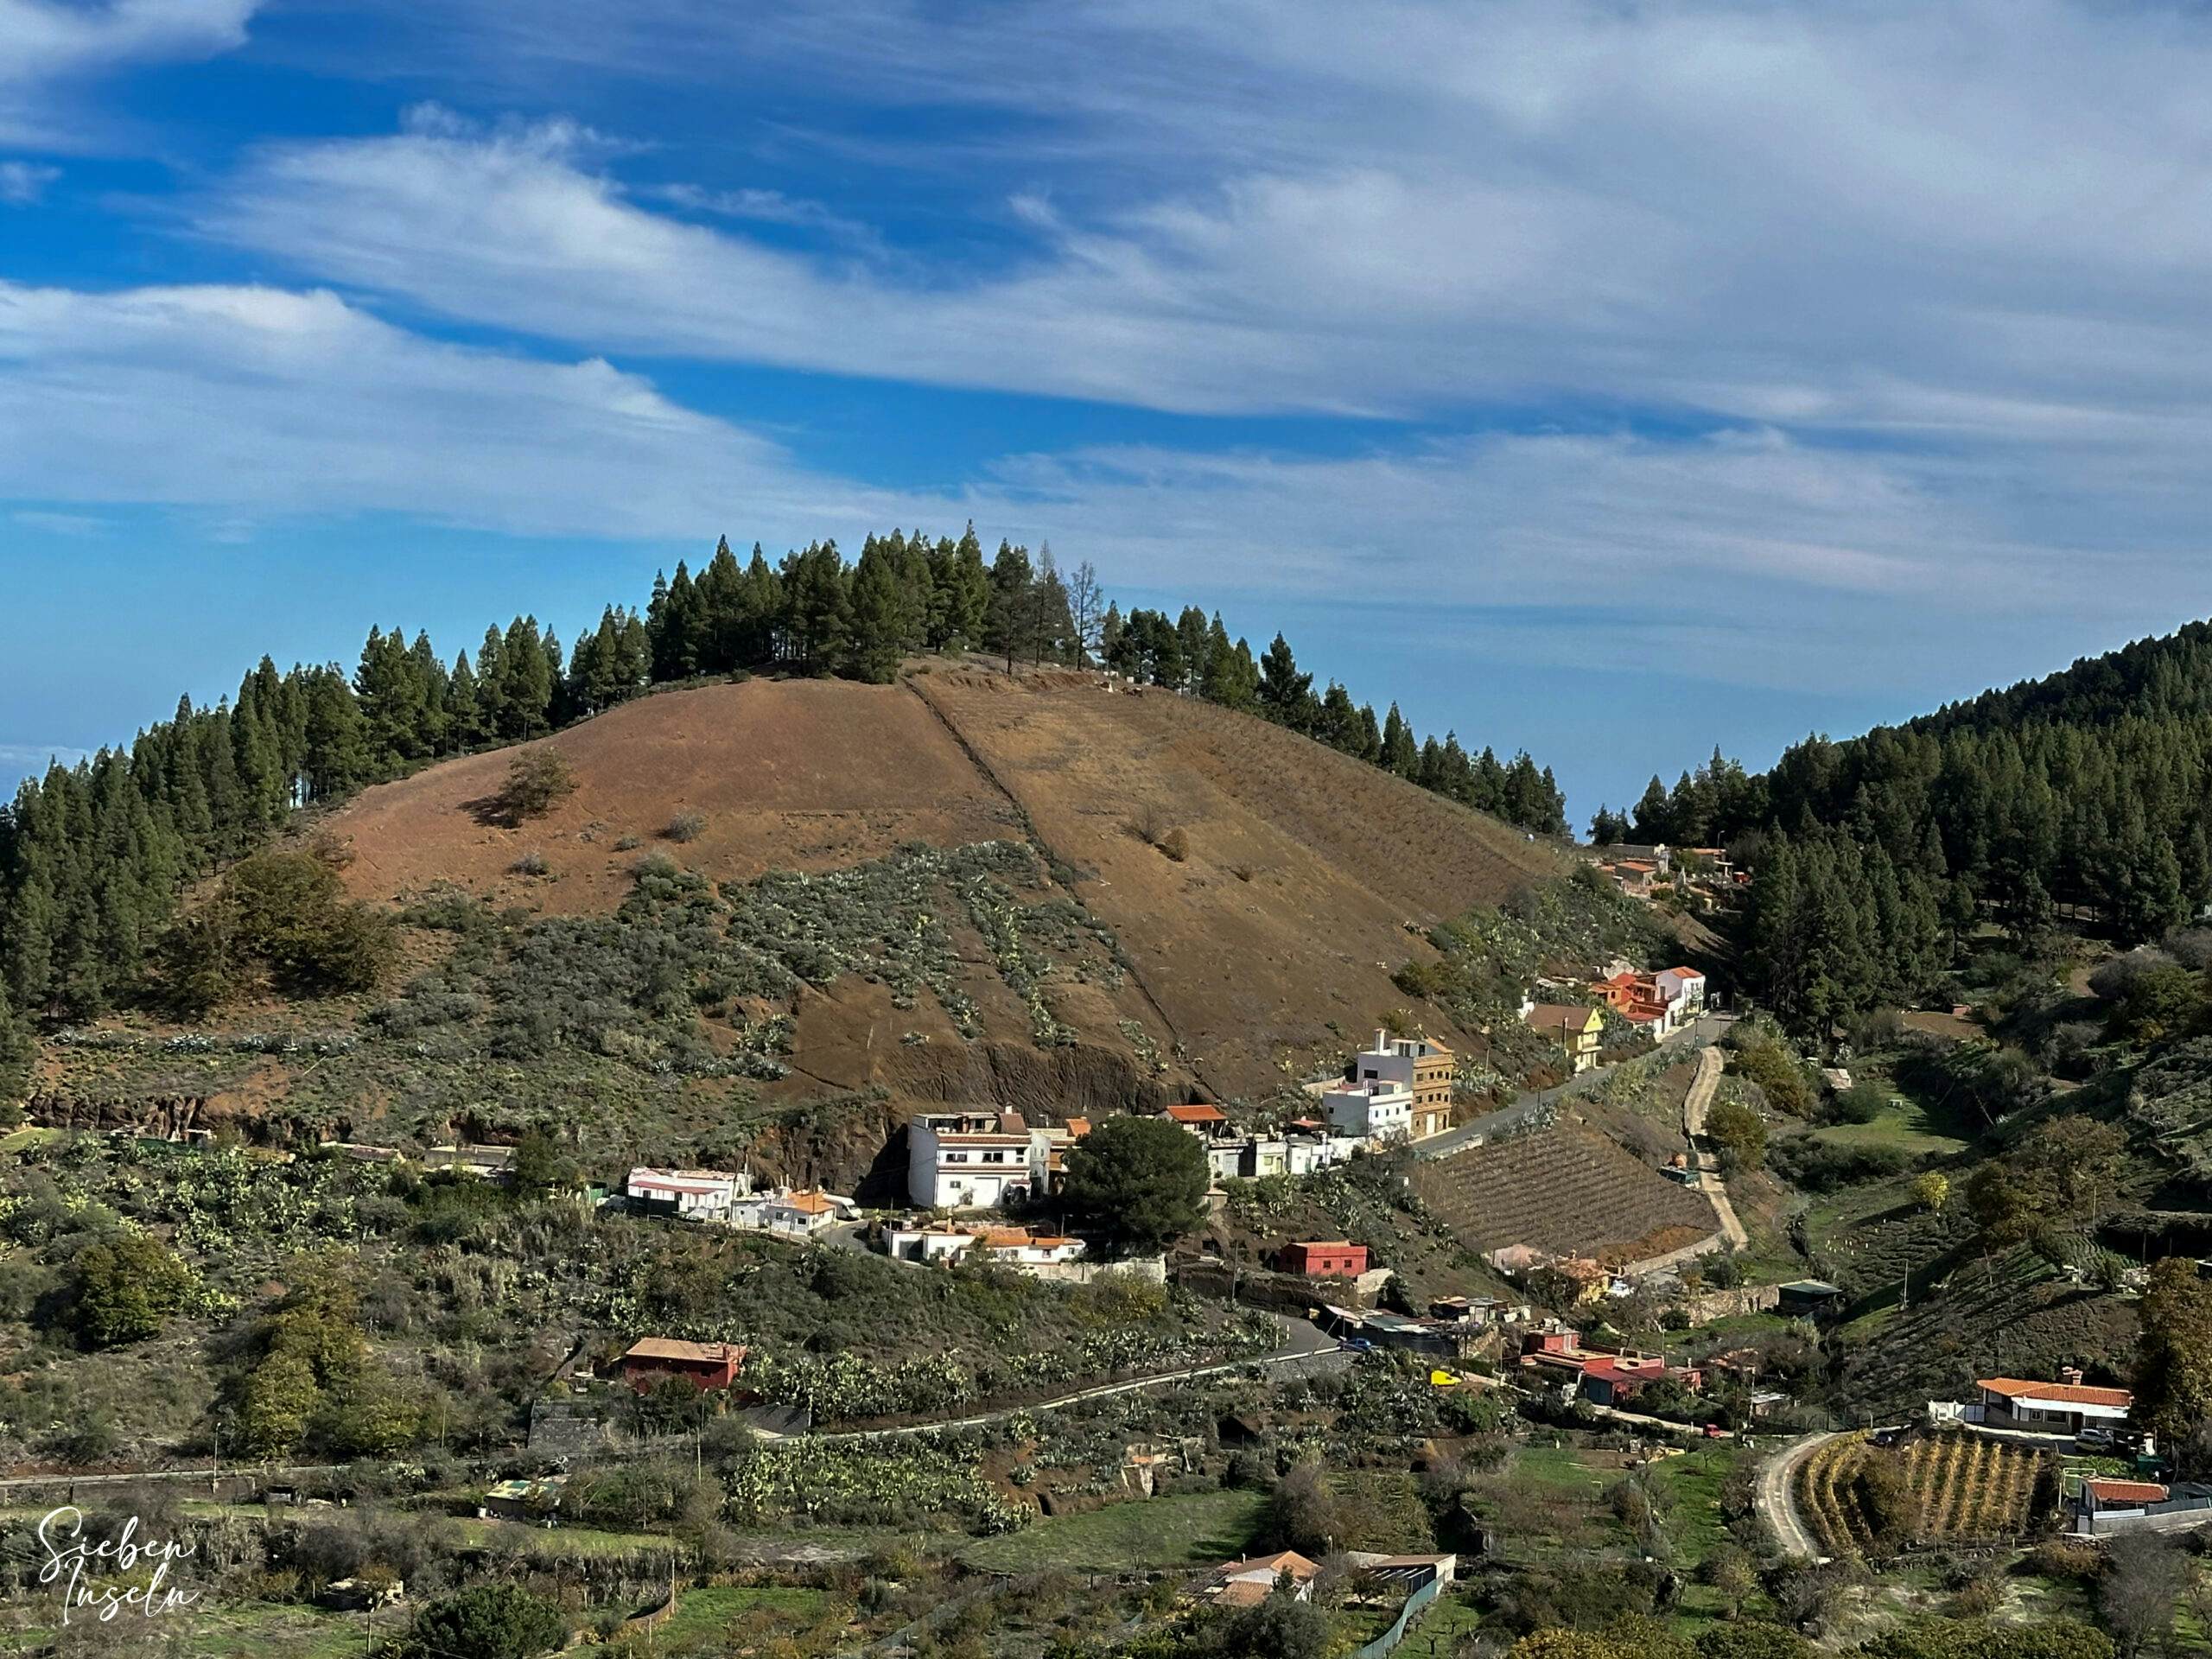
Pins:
<point x="1970" y="1487"/>
<point x="1968" y="1490"/>
<point x="1563" y="1189"/>
<point x="2013" y="1316"/>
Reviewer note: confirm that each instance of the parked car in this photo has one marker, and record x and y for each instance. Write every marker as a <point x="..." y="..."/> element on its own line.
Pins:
<point x="2092" y="1435"/>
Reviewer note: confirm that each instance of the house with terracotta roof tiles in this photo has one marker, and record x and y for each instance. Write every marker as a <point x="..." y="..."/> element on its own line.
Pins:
<point x="804" y="1213"/>
<point x="1248" y="1582"/>
<point x="2062" y="1408"/>
<point x="706" y="1365"/>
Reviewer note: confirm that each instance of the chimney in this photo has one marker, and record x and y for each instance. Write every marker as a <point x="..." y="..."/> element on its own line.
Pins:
<point x="2070" y="1376"/>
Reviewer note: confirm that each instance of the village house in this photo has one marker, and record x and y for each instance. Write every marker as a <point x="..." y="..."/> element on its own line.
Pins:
<point x="1602" y="1377"/>
<point x="2108" y="1504"/>
<point x="686" y="1194"/>
<point x="802" y="1213"/>
<point x="537" y="1502"/>
<point x="1377" y="1113"/>
<point x="1575" y="1028"/>
<point x="1248" y="1583"/>
<point x="1323" y="1259"/>
<point x="1422" y="1066"/>
<point x="2061" y="1407"/>
<point x="981" y="1159"/>
<point x="1809" y="1298"/>
<point x="706" y="1365"/>
<point x="1637" y="878"/>
<point x="1012" y="1247"/>
<point x="1682" y="990"/>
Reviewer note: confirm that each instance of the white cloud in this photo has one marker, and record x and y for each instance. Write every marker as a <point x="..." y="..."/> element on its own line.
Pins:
<point x="1981" y="221"/>
<point x="22" y="183"/>
<point x="1745" y="556"/>
<point x="47" y="46"/>
<point x="255" y="402"/>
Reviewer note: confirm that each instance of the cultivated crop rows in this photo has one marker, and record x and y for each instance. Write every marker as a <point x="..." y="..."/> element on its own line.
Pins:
<point x="1560" y="1189"/>
<point x="1824" y="1495"/>
<point x="1967" y="1487"/>
<point x="1971" y="1488"/>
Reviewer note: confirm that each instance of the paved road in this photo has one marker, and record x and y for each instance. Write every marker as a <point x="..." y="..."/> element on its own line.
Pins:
<point x="1709" y="1062"/>
<point x="1474" y="1133"/>
<point x="1774" y="1497"/>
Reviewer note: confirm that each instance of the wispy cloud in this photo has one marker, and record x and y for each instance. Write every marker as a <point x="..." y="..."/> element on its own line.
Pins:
<point x="22" y="183"/>
<point x="1812" y="217"/>
<point x="23" y="758"/>
<point x="255" y="402"/>
<point x="48" y="47"/>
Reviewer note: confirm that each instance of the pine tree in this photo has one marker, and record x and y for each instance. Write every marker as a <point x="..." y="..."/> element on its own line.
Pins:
<point x="877" y="616"/>
<point x="1007" y="623"/>
<point x="1283" y="690"/>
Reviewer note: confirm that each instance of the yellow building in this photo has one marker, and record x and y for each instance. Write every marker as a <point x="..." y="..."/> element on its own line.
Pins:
<point x="1574" y="1028"/>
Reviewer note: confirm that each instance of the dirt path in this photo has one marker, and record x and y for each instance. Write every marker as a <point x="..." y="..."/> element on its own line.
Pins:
<point x="1701" y="1035"/>
<point x="1695" y="1104"/>
<point x="1302" y="1344"/>
<point x="1775" y="1498"/>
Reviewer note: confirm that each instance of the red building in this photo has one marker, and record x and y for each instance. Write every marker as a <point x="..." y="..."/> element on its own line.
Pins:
<point x="706" y="1365"/>
<point x="1334" y="1258"/>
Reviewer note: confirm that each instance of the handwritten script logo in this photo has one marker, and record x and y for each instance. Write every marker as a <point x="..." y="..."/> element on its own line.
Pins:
<point x="87" y="1572"/>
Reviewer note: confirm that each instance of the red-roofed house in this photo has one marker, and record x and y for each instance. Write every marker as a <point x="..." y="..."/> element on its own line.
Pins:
<point x="1199" y="1117"/>
<point x="1249" y="1582"/>
<point x="706" y="1365"/>
<point x="1682" y="988"/>
<point x="802" y="1213"/>
<point x="2061" y="1407"/>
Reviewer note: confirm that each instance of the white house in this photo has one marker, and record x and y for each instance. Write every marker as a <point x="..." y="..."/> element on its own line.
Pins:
<point x="690" y="1194"/>
<point x="802" y="1213"/>
<point x="1682" y="990"/>
<point x="981" y="1159"/>
<point x="2061" y="1407"/>
<point x="922" y="1242"/>
<point x="1012" y="1247"/>
<point x="1377" y="1113"/>
<point x="1421" y="1066"/>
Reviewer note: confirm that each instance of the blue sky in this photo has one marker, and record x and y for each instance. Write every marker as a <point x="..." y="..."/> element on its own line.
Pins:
<point x="1611" y="380"/>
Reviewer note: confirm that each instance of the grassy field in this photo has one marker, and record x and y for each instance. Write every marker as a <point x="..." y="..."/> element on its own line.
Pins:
<point x="473" y="1533"/>
<point x="1560" y="1468"/>
<point x="1191" y="1530"/>
<point x="727" y="1619"/>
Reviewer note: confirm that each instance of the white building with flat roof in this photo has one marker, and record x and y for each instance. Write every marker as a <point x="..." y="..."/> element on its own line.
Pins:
<point x="1379" y="1112"/>
<point x="982" y="1160"/>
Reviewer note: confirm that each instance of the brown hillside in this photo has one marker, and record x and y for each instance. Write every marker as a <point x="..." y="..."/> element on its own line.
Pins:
<point x="1308" y="875"/>
<point x="1307" y="878"/>
<point x="801" y="774"/>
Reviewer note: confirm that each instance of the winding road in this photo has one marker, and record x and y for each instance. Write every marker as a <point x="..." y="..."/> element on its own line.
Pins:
<point x="1775" y="1498"/>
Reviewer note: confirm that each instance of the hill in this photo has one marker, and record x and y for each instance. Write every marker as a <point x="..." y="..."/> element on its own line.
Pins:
<point x="959" y="886"/>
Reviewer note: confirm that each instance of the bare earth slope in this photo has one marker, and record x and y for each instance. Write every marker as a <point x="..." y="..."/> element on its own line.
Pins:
<point x="1308" y="875"/>
<point x="1307" y="879"/>
<point x="795" y="775"/>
